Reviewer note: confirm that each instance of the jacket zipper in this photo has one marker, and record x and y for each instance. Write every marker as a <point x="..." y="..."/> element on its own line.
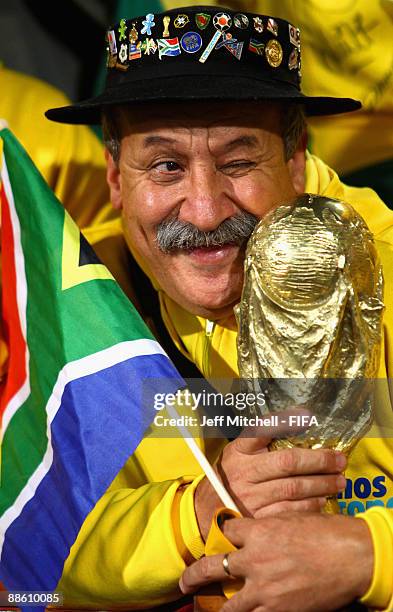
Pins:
<point x="209" y="329"/>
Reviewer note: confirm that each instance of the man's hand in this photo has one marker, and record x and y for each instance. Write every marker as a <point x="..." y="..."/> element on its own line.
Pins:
<point x="263" y="483"/>
<point x="291" y="562"/>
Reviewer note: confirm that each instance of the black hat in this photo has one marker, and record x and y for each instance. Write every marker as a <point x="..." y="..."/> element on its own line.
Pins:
<point x="201" y="53"/>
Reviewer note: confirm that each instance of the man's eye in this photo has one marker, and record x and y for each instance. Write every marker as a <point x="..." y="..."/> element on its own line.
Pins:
<point x="238" y="166"/>
<point x="167" y="167"/>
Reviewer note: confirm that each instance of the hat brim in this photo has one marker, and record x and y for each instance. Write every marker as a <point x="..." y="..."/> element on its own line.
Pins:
<point x="187" y="89"/>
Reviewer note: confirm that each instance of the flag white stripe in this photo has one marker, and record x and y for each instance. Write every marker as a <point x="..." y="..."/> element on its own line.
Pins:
<point x="72" y="371"/>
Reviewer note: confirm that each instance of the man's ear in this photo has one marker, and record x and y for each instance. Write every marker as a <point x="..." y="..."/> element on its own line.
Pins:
<point x="113" y="178"/>
<point x="297" y="165"/>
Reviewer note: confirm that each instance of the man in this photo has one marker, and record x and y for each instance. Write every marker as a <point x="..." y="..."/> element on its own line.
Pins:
<point x="205" y="134"/>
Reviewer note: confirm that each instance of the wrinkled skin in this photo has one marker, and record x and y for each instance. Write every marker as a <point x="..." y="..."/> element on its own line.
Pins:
<point x="202" y="167"/>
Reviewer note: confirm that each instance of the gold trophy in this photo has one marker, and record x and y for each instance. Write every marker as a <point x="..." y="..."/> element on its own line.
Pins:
<point x="310" y="320"/>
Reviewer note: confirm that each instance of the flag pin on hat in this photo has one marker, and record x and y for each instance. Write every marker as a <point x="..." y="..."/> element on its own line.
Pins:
<point x="251" y="57"/>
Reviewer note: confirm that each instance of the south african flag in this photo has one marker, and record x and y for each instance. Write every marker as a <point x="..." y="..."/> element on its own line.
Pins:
<point x="168" y="46"/>
<point x="255" y="46"/>
<point x="82" y="370"/>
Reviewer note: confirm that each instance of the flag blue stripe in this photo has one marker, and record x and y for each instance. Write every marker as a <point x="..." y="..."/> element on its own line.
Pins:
<point x="93" y="434"/>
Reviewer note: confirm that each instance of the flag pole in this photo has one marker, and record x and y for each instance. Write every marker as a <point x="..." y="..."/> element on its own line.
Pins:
<point x="203" y="462"/>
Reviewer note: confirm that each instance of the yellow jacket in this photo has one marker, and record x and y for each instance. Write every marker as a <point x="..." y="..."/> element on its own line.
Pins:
<point x="70" y="157"/>
<point x="132" y="547"/>
<point x="347" y="50"/>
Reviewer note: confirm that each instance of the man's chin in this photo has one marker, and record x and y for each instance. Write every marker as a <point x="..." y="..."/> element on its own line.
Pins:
<point x="209" y="304"/>
<point x="206" y="281"/>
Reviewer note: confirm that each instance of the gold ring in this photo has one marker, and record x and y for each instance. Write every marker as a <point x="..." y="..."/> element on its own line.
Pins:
<point x="225" y="565"/>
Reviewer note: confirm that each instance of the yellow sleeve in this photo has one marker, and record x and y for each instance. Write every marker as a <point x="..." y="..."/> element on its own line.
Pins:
<point x="136" y="542"/>
<point x="217" y="543"/>
<point x="380" y="594"/>
<point x="189" y="529"/>
<point x="344" y="55"/>
<point x="130" y="552"/>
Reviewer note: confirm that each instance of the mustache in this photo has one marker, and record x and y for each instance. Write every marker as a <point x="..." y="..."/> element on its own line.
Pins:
<point x="173" y="234"/>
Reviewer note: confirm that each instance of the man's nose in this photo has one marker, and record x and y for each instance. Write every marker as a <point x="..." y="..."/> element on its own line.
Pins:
<point x="207" y="202"/>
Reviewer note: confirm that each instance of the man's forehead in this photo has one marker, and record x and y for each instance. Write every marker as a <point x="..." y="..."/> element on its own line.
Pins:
<point x="210" y="114"/>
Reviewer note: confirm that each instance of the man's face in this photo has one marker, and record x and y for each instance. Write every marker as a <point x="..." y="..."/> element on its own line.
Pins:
<point x="200" y="164"/>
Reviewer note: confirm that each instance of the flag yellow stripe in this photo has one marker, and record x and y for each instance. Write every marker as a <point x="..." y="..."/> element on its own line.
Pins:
<point x="72" y="273"/>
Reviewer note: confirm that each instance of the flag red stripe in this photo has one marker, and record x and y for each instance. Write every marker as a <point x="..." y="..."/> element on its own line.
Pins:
<point x="11" y="320"/>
